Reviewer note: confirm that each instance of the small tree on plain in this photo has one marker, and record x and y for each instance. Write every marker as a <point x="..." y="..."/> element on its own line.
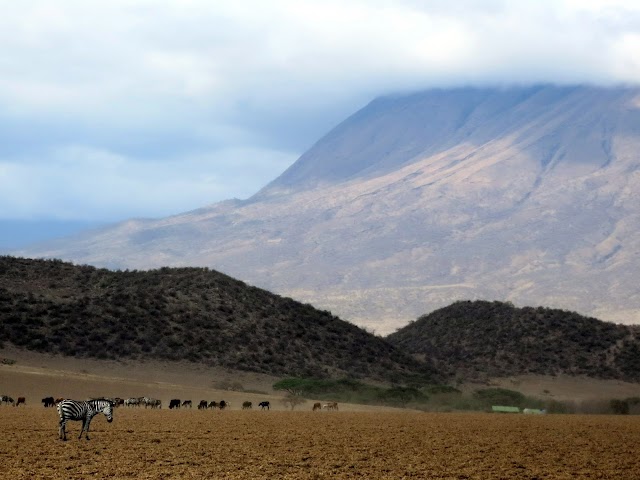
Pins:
<point x="293" y="400"/>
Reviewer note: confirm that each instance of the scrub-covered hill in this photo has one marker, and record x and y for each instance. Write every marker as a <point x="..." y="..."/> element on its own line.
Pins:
<point x="494" y="339"/>
<point x="193" y="314"/>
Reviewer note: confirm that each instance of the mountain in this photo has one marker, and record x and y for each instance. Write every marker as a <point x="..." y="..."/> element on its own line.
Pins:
<point x="192" y="314"/>
<point x="494" y="339"/>
<point x="526" y="194"/>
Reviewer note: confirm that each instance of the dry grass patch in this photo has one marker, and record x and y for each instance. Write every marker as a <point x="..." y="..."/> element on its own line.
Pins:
<point x="256" y="444"/>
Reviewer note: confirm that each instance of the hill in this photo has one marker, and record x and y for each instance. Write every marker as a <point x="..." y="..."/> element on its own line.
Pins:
<point x="527" y="194"/>
<point x="482" y="339"/>
<point x="192" y="314"/>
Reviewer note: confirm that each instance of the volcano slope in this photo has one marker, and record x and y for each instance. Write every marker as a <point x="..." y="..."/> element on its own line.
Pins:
<point x="527" y="194"/>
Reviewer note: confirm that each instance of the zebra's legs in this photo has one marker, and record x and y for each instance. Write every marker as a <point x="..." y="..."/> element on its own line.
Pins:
<point x="85" y="427"/>
<point x="62" y="432"/>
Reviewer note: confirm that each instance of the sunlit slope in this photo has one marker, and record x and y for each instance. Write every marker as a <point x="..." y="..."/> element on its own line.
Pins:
<point x="522" y="194"/>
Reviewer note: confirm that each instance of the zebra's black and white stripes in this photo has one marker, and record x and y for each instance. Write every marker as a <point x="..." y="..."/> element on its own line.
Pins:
<point x="85" y="411"/>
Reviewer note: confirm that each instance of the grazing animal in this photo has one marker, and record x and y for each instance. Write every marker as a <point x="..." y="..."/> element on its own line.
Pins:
<point x="151" y="402"/>
<point x="222" y="405"/>
<point x="85" y="411"/>
<point x="187" y="403"/>
<point x="7" y="399"/>
<point x="132" y="402"/>
<point x="48" y="402"/>
<point x="317" y="406"/>
<point x="119" y="401"/>
<point x="175" y="403"/>
<point x="213" y="404"/>
<point x="21" y="401"/>
<point x="264" y="405"/>
<point x="202" y="405"/>
<point x="246" y="405"/>
<point x="331" y="406"/>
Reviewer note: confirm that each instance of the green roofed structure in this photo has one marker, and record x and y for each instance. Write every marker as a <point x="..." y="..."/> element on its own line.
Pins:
<point x="502" y="409"/>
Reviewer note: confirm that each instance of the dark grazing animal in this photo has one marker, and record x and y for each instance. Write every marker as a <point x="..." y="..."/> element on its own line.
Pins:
<point x="202" y="405"/>
<point x="21" y="401"/>
<point x="264" y="405"/>
<point x="85" y="411"/>
<point x="7" y="399"/>
<point x="246" y="405"/>
<point x="48" y="402"/>
<point x="317" y="406"/>
<point x="213" y="404"/>
<point x="187" y="403"/>
<point x="222" y="405"/>
<point x="175" y="403"/>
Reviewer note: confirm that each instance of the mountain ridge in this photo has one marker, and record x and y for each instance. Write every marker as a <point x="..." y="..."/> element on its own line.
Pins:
<point x="523" y="194"/>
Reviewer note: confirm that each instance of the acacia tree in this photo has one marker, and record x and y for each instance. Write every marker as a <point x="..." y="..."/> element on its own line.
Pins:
<point x="294" y="386"/>
<point x="293" y="400"/>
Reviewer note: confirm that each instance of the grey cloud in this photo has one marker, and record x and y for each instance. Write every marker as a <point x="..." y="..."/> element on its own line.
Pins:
<point x="158" y="84"/>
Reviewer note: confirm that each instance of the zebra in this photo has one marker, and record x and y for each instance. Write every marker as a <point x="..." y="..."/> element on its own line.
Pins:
<point x="151" y="402"/>
<point x="132" y="402"/>
<point x="85" y="411"/>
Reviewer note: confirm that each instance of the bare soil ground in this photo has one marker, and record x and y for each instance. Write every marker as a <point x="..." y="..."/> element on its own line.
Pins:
<point x="356" y="442"/>
<point x="36" y="376"/>
<point x="314" y="445"/>
<point x="58" y="369"/>
<point x="565" y="387"/>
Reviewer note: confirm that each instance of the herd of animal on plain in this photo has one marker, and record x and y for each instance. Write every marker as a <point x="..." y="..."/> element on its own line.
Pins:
<point x="85" y="410"/>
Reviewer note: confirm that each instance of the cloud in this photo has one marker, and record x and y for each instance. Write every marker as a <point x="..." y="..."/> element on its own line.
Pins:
<point x="82" y="183"/>
<point x="159" y="85"/>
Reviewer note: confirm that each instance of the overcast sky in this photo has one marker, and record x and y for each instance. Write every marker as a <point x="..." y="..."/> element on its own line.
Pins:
<point x="120" y="109"/>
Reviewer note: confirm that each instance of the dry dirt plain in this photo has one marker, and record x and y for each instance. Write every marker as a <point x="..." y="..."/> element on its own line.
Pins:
<point x="303" y="444"/>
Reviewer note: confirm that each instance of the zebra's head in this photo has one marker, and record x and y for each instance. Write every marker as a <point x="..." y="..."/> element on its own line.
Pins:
<point x="106" y="407"/>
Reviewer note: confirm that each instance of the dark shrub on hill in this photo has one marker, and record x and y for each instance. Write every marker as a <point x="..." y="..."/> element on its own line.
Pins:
<point x="482" y="339"/>
<point x="193" y="314"/>
<point x="500" y="396"/>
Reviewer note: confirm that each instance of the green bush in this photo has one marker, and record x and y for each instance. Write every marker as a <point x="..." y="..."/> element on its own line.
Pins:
<point x="440" y="389"/>
<point x="401" y="396"/>
<point x="619" y="407"/>
<point x="500" y="396"/>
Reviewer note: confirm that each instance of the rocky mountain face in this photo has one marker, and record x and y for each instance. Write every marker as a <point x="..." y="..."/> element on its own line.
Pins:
<point x="530" y="195"/>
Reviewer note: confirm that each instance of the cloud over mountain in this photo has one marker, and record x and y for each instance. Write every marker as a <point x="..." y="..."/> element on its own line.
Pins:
<point x="188" y="103"/>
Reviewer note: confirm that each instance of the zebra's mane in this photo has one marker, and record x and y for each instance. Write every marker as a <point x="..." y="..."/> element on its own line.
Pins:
<point x="103" y="399"/>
